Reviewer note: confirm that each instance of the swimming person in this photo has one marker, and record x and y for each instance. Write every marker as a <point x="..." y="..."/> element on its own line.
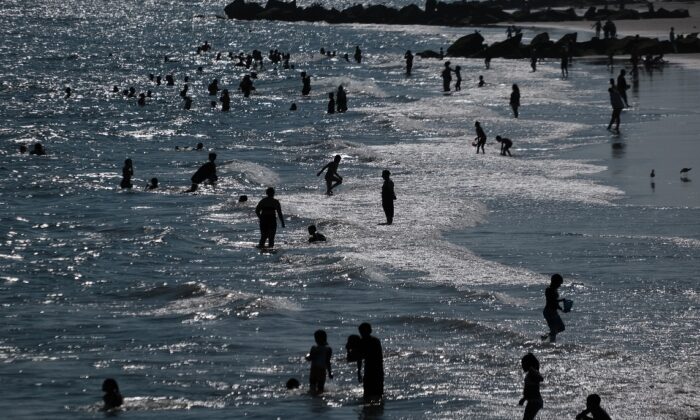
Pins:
<point x="306" y="84"/>
<point x="531" y="389"/>
<point x="213" y="87"/>
<point x="480" y="137"/>
<point x="388" y="196"/>
<point x="331" y="103"/>
<point x="267" y="210"/>
<point x="622" y="86"/>
<point x="320" y="358"/>
<point x="506" y="144"/>
<point x="554" y="322"/>
<point x="446" y="77"/>
<point x="371" y="353"/>
<point x="38" y="150"/>
<point x="153" y="184"/>
<point x="458" y="77"/>
<point x="342" y="99"/>
<point x="481" y="81"/>
<point x="112" y="398"/>
<point x="515" y="99"/>
<point x="204" y="173"/>
<point x="142" y="99"/>
<point x="225" y="101"/>
<point x="617" y="104"/>
<point x="409" y="62"/>
<point x="127" y="173"/>
<point x="593" y="408"/>
<point x="331" y="174"/>
<point x="315" y="236"/>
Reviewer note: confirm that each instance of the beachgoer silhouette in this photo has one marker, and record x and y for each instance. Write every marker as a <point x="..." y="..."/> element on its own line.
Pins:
<point x="293" y="107"/>
<point x="315" y="236"/>
<point x="358" y="54"/>
<point x="408" y="56"/>
<point x="142" y="99"/>
<point x="188" y="103"/>
<point x="388" y="196"/>
<point x="184" y="90"/>
<point x="594" y="409"/>
<point x="332" y="177"/>
<point x="598" y="26"/>
<point x="506" y="144"/>
<point x="481" y="81"/>
<point x="458" y="77"/>
<point x="672" y="38"/>
<point x="213" y="87"/>
<point x="243" y="199"/>
<point x="115" y="89"/>
<point x="306" y="84"/>
<point x="38" y="150"/>
<point x="132" y="92"/>
<point x="68" y="92"/>
<point x="127" y="173"/>
<point x="533" y="59"/>
<point x="292" y="383"/>
<point x="112" y="398"/>
<point x="371" y="354"/>
<point x="515" y="99"/>
<point x="331" y="103"/>
<point x="554" y="322"/>
<point x="320" y="358"/>
<point x="442" y="53"/>
<point x="531" y="389"/>
<point x="564" y="64"/>
<point x="225" y="101"/>
<point x="342" y="99"/>
<point x="267" y="210"/>
<point x="509" y="32"/>
<point x="206" y="172"/>
<point x="622" y="86"/>
<point x="617" y="104"/>
<point x="246" y="86"/>
<point x="22" y="149"/>
<point x="446" y="77"/>
<point x="153" y="184"/>
<point x="487" y="59"/>
<point x="158" y="79"/>
<point x="170" y="80"/>
<point x="480" y="139"/>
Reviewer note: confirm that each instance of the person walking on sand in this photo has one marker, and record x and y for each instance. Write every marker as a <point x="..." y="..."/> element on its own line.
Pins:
<point x="267" y="210"/>
<point x="332" y="177"/>
<point x="388" y="196"/>
<point x="531" y="388"/>
<point x="515" y="100"/>
<point x="554" y="322"/>
<point x="320" y="357"/>
<point x="617" y="104"/>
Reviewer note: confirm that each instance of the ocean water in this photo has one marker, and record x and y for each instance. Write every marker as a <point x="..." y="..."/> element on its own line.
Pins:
<point x="165" y="292"/>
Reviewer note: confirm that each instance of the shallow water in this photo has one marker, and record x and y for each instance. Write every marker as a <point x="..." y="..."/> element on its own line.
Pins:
<point x="165" y="292"/>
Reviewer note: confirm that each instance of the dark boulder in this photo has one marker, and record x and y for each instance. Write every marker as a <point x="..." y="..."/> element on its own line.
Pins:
<point x="510" y="48"/>
<point x="239" y="9"/>
<point x="539" y="39"/>
<point x="467" y="45"/>
<point x="410" y="14"/>
<point x="429" y="54"/>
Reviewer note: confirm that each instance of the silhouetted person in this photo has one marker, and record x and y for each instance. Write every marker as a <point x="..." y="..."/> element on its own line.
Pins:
<point x="617" y="104"/>
<point x="320" y="358"/>
<point x="38" y="150"/>
<point x="358" y="54"/>
<point x="185" y="89"/>
<point x="331" y="103"/>
<point x="22" y="149"/>
<point x="292" y="383"/>
<point x="446" y="77"/>
<point x="188" y="103"/>
<point x="551" y="308"/>
<point x="293" y="107"/>
<point x="68" y="92"/>
<point x="225" y="101"/>
<point x="332" y="177"/>
<point x="598" y="26"/>
<point x="127" y="174"/>
<point x="458" y="78"/>
<point x="246" y="86"/>
<point x="481" y="81"/>
<point x="132" y="92"/>
<point x="672" y="38"/>
<point x="142" y="99"/>
<point x="487" y="60"/>
<point x="243" y="199"/>
<point x="442" y="53"/>
<point x="594" y="409"/>
<point x="371" y="354"/>
<point x="170" y="80"/>
<point x="506" y="144"/>
<point x="388" y="196"/>
<point x="267" y="210"/>
<point x="622" y="86"/>
<point x="531" y="389"/>
<point x="564" y="65"/>
<point x="409" y="62"/>
<point x="342" y="99"/>
<point x="199" y="146"/>
<point x="533" y="59"/>
<point x="158" y="79"/>
<point x="213" y="87"/>
<point x="112" y="398"/>
<point x="206" y="172"/>
<point x="480" y="137"/>
<point x="515" y="99"/>
<point x="153" y="184"/>
<point x="306" y="84"/>
<point x="115" y="89"/>
<point x="315" y="236"/>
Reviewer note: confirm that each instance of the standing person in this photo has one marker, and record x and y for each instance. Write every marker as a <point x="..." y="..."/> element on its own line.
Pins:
<point x="622" y="86"/>
<point x="225" y="101"/>
<point x="267" y="210"/>
<point x="127" y="173"/>
<point x="213" y="87"/>
<point x="617" y="104"/>
<point x="593" y="408"/>
<point x="206" y="172"/>
<point x="388" y="196"/>
<point x="487" y="59"/>
<point x="371" y="353"/>
<point x="342" y="99"/>
<point x="358" y="54"/>
<point x="458" y="77"/>
<point x="480" y="139"/>
<point x="331" y="103"/>
<point x="481" y="81"/>
<point x="556" y="325"/>
<point x="564" y="64"/>
<point x="515" y="99"/>
<point x="332" y="175"/>
<point x="320" y="358"/>
<point x="446" y="77"/>
<point x="246" y="86"/>
<point x="531" y="389"/>
<point x="598" y="26"/>
<point x="112" y="397"/>
<point x="672" y="38"/>
<point x="506" y="144"/>
<point x="409" y="62"/>
<point x="306" y="84"/>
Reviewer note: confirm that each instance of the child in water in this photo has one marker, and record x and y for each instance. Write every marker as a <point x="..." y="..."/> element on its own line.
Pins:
<point x="593" y="408"/>
<point x="320" y="358"/>
<point x="556" y="325"/>
<point x="315" y="236"/>
<point x="112" y="398"/>
<point x="531" y="390"/>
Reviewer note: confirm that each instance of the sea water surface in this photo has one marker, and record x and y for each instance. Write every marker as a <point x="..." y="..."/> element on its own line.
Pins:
<point x="165" y="292"/>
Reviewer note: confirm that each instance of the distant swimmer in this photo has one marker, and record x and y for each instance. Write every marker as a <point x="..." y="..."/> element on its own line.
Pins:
<point x="315" y="236"/>
<point x="170" y="80"/>
<point x="617" y="104"/>
<point x="206" y="172"/>
<point x="408" y="56"/>
<point x="132" y="92"/>
<point x="372" y="356"/>
<point x="622" y="86"/>
<point x="531" y="388"/>
<point x="188" y="103"/>
<point x="506" y="144"/>
<point x="305" y="84"/>
<point x="358" y="54"/>
<point x="480" y="139"/>
<point x="225" y="101"/>
<point x="246" y="86"/>
<point x="342" y="99"/>
<point x="331" y="103"/>
<point x="446" y="77"/>
<point x="458" y="78"/>
<point x="22" y="149"/>
<point x="68" y="92"/>
<point x="115" y="89"/>
<point x="243" y="199"/>
<point x="213" y="87"/>
<point x="388" y="196"/>
<point x="652" y="174"/>
<point x="112" y="397"/>
<point x="481" y="81"/>
<point x="127" y="174"/>
<point x="142" y="99"/>
<point x="293" y="107"/>
<point x="292" y="383"/>
<point x="185" y="89"/>
<point x="199" y="146"/>
<point x="594" y="409"/>
<point x="152" y="184"/>
<point x="515" y="100"/>
<point x="38" y="150"/>
<point x="320" y="357"/>
<point x="267" y="210"/>
<point x="158" y="80"/>
<point x="551" y="308"/>
<point x="332" y="177"/>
